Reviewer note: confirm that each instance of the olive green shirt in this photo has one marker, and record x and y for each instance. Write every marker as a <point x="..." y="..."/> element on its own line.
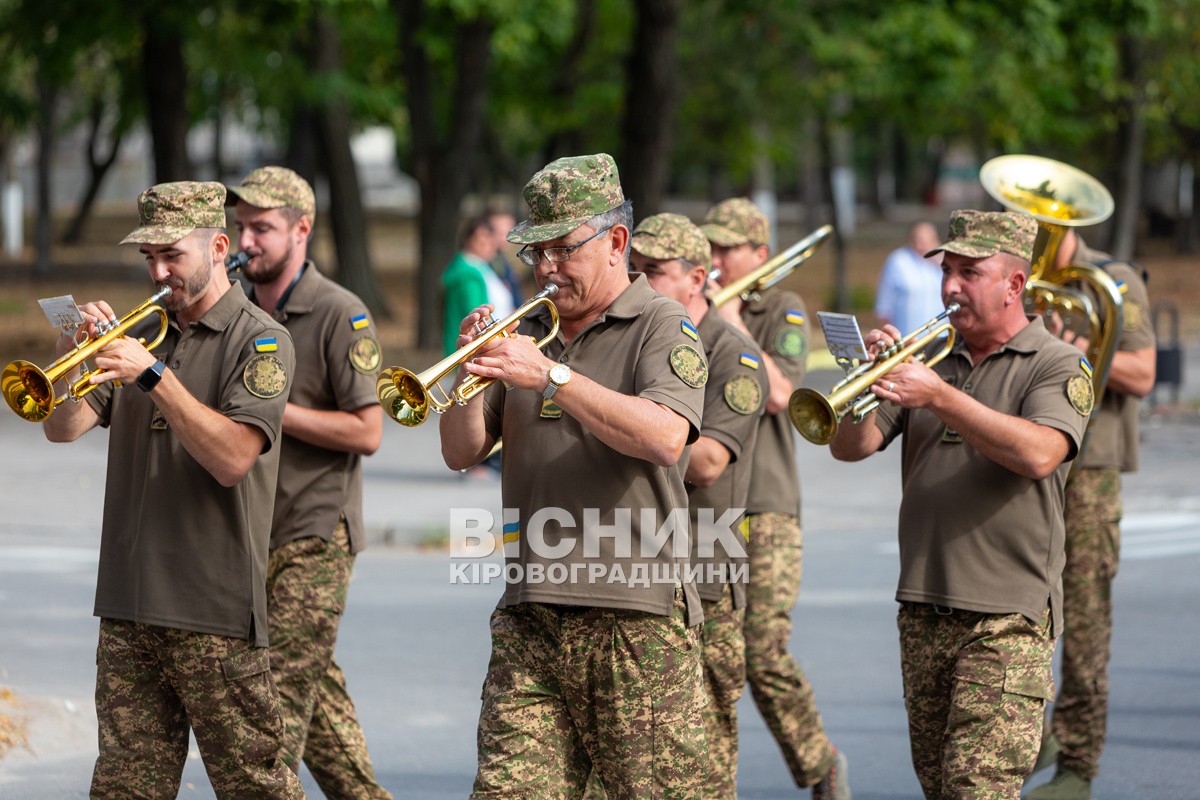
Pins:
<point x="734" y="400"/>
<point x="779" y="323"/>
<point x="561" y="484"/>
<point x="337" y="359"/>
<point x="1112" y="440"/>
<point x="177" y="548"/>
<point x="973" y="534"/>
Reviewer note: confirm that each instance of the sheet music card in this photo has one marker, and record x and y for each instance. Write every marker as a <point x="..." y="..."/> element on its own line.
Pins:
<point x="61" y="311"/>
<point x="843" y="335"/>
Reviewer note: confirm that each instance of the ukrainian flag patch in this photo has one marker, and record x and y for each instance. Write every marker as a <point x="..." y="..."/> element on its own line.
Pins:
<point x="794" y="317"/>
<point x="266" y="345"/>
<point x="1086" y="366"/>
<point x="749" y="360"/>
<point x="359" y="322"/>
<point x="689" y="330"/>
<point x="1121" y="287"/>
<point x="512" y="532"/>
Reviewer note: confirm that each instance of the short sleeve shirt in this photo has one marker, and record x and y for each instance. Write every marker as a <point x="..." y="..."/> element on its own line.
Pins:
<point x="734" y="399"/>
<point x="779" y="322"/>
<point x="337" y="360"/>
<point x="974" y="535"/>
<point x="1112" y="439"/>
<point x="568" y="497"/>
<point x="177" y="549"/>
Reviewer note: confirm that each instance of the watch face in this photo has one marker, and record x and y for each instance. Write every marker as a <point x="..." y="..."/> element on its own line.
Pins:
<point x="560" y="373"/>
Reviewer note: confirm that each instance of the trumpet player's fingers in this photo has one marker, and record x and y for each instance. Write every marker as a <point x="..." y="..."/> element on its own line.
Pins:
<point x="98" y="313"/>
<point x="122" y="359"/>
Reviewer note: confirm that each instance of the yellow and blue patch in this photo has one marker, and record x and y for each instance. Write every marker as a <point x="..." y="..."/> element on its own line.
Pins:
<point x="1121" y="287"/>
<point x="794" y="317"/>
<point x="359" y="322"/>
<point x="689" y="330"/>
<point x="512" y="532"/>
<point x="269" y="345"/>
<point x="1086" y="366"/>
<point x="749" y="360"/>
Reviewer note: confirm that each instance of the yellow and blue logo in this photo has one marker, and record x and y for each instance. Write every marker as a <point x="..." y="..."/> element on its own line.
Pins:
<point x="266" y="345"/>
<point x="359" y="322"/>
<point x="749" y="360"/>
<point x="690" y="330"/>
<point x="794" y="317"/>
<point x="1121" y="287"/>
<point x="1086" y="366"/>
<point x="512" y="532"/>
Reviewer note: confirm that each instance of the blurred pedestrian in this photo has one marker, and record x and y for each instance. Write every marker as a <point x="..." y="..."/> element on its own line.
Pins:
<point x="469" y="280"/>
<point x="910" y="285"/>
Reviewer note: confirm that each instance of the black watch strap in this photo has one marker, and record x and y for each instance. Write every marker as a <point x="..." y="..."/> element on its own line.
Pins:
<point x="151" y="376"/>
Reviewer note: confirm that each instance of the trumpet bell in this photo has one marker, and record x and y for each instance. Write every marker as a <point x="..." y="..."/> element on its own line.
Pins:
<point x="813" y="416"/>
<point x="27" y="390"/>
<point x="403" y="396"/>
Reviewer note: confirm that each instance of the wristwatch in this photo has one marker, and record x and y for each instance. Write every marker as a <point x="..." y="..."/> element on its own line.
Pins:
<point x="150" y="376"/>
<point x="560" y="374"/>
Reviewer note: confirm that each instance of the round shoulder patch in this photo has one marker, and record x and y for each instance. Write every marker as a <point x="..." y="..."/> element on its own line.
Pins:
<point x="1080" y="393"/>
<point x="265" y="376"/>
<point x="791" y="342"/>
<point x="1132" y="314"/>
<point x="365" y="355"/>
<point x="689" y="365"/>
<point x="743" y="394"/>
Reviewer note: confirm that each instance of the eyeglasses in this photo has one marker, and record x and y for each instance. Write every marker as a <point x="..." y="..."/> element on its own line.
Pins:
<point x="532" y="256"/>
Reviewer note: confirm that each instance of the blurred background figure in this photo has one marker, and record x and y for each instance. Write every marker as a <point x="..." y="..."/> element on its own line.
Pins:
<point x="501" y="222"/>
<point x="469" y="280"/>
<point x="910" y="286"/>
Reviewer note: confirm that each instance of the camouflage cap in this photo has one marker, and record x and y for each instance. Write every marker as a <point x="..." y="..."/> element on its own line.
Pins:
<point x="979" y="234"/>
<point x="567" y="193"/>
<point x="736" y="221"/>
<point x="276" y="187"/>
<point x="170" y="211"/>
<point x="669" y="236"/>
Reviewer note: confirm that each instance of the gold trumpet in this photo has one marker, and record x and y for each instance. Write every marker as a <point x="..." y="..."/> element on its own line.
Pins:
<point x="408" y="397"/>
<point x="1059" y="196"/>
<point x="773" y="270"/>
<point x="817" y="417"/>
<point x="30" y="390"/>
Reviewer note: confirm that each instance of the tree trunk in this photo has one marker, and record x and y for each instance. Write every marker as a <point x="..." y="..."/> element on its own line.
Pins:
<point x="43" y="228"/>
<point x="568" y="141"/>
<point x="1131" y="134"/>
<point x="651" y="97"/>
<point x="98" y="166"/>
<point x="166" y="99"/>
<point x="443" y="170"/>
<point x="346" y="212"/>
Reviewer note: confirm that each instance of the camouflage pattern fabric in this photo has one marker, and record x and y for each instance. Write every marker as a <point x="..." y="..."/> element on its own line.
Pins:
<point x="307" y="579"/>
<point x="170" y="211"/>
<point x="1093" y="514"/>
<point x="778" y="684"/>
<point x="736" y="221"/>
<point x="276" y="187"/>
<point x="670" y="236"/>
<point x="975" y="687"/>
<point x="723" y="651"/>
<point x="569" y="688"/>
<point x="567" y="193"/>
<point x="152" y="683"/>
<point x="979" y="234"/>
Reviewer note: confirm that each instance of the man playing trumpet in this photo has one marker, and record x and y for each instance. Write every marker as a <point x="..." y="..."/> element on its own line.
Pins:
<point x="988" y="434"/>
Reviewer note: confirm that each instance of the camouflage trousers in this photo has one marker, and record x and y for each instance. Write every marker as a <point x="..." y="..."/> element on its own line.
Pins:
<point x="571" y="689"/>
<point x="778" y="684"/>
<point x="723" y="651"/>
<point x="152" y="683"/>
<point x="1080" y="714"/>
<point x="975" y="687"/>
<point x="307" y="580"/>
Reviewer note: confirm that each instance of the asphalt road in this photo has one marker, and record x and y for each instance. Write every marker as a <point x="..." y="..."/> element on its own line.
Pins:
<point x="414" y="647"/>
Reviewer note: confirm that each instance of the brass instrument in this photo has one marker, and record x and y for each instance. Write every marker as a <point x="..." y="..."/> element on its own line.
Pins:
<point x="1059" y="196"/>
<point x="408" y="397"/>
<point x="817" y="417"/>
<point x="773" y="270"/>
<point x="30" y="390"/>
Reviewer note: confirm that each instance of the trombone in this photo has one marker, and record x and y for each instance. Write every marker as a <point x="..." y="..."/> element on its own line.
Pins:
<point x="29" y="390"/>
<point x="773" y="270"/>
<point x="408" y="397"/>
<point x="817" y="417"/>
